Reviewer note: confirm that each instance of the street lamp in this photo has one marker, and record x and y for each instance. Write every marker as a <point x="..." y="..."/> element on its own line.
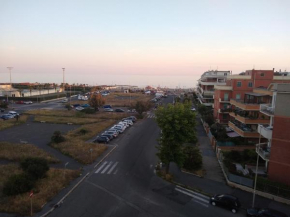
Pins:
<point x="63" y="69"/>
<point x="256" y="174"/>
<point x="65" y="169"/>
<point x="10" y="68"/>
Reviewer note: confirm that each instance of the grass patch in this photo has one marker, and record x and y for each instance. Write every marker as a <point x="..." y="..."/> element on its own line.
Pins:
<point x="65" y="120"/>
<point x="58" y="113"/>
<point x="12" y="122"/>
<point x="17" y="152"/>
<point x="75" y="144"/>
<point x="44" y="190"/>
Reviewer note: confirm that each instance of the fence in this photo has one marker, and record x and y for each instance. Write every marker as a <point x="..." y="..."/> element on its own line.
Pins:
<point x="35" y="98"/>
<point x="272" y="189"/>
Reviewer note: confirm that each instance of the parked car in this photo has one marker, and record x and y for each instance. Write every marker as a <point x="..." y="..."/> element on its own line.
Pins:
<point x="107" y="106"/>
<point x="108" y="109"/>
<point x="102" y="139"/>
<point x="76" y="105"/>
<point x="226" y="201"/>
<point x="28" y="102"/>
<point x="120" y="128"/>
<point x="132" y="118"/>
<point x="20" y="102"/>
<point x="79" y="108"/>
<point x="2" y="110"/>
<point x="130" y="122"/>
<point x="64" y="100"/>
<point x="131" y="110"/>
<point x="6" y="116"/>
<point x="110" y="137"/>
<point x="119" y="110"/>
<point x="13" y="113"/>
<point x="113" y="133"/>
<point x="193" y="109"/>
<point x="115" y="129"/>
<point x="85" y="105"/>
<point x="265" y="213"/>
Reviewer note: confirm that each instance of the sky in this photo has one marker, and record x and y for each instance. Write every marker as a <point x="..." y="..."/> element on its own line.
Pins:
<point x="153" y="42"/>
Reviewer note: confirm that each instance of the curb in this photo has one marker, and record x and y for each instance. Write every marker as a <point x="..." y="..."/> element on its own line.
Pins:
<point x="63" y="198"/>
<point x="183" y="171"/>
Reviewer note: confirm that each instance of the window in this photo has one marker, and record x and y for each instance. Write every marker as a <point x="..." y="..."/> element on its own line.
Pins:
<point x="238" y="96"/>
<point x="239" y="84"/>
<point x="225" y="116"/>
<point x="250" y="84"/>
<point x="262" y="74"/>
<point x="226" y="96"/>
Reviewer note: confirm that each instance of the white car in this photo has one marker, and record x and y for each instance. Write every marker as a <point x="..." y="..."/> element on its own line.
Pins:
<point x="129" y="122"/>
<point x="13" y="113"/>
<point x="27" y="102"/>
<point x="80" y="108"/>
<point x="64" y="100"/>
<point x="108" y="109"/>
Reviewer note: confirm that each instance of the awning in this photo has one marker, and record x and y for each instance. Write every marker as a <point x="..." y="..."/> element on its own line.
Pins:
<point x="233" y="134"/>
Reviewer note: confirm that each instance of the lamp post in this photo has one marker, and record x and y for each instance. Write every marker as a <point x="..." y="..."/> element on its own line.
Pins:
<point x="256" y="174"/>
<point x="63" y="87"/>
<point x="10" y="68"/>
<point x="65" y="169"/>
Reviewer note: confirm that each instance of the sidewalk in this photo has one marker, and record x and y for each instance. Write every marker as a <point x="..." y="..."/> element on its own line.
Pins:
<point x="214" y="181"/>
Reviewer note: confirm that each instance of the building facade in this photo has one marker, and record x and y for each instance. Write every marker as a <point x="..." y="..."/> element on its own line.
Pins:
<point x="276" y="150"/>
<point x="207" y="83"/>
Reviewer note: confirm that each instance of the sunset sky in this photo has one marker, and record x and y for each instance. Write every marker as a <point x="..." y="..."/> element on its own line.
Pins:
<point x="157" y="42"/>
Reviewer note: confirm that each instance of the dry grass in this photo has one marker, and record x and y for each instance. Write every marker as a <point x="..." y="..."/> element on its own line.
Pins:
<point x="44" y="190"/>
<point x="124" y="99"/>
<point x="12" y="122"/>
<point x="58" y="113"/>
<point x="17" y="152"/>
<point x="76" y="145"/>
<point x="65" y="120"/>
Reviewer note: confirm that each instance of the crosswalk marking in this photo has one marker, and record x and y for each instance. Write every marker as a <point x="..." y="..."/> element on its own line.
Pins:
<point x="101" y="167"/>
<point x="113" y="167"/>
<point x="198" y="198"/>
<point x="107" y="167"/>
<point x="151" y="116"/>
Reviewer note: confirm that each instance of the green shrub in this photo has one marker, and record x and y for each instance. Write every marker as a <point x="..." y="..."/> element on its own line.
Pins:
<point x="36" y="168"/>
<point x="57" y="137"/>
<point x="192" y="158"/>
<point x="83" y="131"/>
<point x="18" y="184"/>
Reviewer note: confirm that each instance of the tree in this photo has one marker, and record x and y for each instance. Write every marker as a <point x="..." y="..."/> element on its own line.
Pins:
<point x="192" y="158"/>
<point x="18" y="184"/>
<point x="177" y="123"/>
<point x="141" y="107"/>
<point x="96" y="100"/>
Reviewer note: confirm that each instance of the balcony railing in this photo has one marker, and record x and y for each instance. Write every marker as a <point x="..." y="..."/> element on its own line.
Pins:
<point x="249" y="119"/>
<point x="245" y="106"/>
<point x="267" y="109"/>
<point x="243" y="130"/>
<point x="224" y="99"/>
<point x="263" y="151"/>
<point x="225" y="110"/>
<point x="265" y="131"/>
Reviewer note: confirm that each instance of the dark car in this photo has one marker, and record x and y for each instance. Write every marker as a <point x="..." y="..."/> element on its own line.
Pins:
<point x="265" y="213"/>
<point x="2" y="110"/>
<point x="6" y="116"/>
<point x="76" y="105"/>
<point x="119" y="110"/>
<point x="102" y="139"/>
<point x="109" y="136"/>
<point x="226" y="201"/>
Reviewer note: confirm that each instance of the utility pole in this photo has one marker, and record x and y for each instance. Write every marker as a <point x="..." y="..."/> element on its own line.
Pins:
<point x="10" y="68"/>
<point x="63" y="86"/>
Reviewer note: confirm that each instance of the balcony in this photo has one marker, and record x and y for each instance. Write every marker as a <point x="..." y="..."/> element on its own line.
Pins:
<point x="244" y="131"/>
<point x="248" y="120"/>
<point x="223" y="110"/>
<point x="263" y="151"/>
<point x="245" y="106"/>
<point x="208" y="92"/>
<point x="267" y="109"/>
<point x="227" y="100"/>
<point x="266" y="131"/>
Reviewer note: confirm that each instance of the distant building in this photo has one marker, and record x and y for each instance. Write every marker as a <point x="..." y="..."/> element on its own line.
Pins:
<point x="207" y="83"/>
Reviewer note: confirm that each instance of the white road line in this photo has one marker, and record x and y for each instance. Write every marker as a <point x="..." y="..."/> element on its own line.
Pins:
<point x="115" y="172"/>
<point x="113" y="167"/>
<point x="192" y="195"/>
<point x="101" y="167"/>
<point x="107" y="167"/>
<point x="200" y="203"/>
<point x="192" y="192"/>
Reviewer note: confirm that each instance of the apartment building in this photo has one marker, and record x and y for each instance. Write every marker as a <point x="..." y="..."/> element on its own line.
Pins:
<point x="275" y="151"/>
<point x="207" y="83"/>
<point x="238" y="102"/>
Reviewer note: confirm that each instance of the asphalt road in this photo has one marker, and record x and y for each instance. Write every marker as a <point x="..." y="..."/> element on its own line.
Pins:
<point x="125" y="184"/>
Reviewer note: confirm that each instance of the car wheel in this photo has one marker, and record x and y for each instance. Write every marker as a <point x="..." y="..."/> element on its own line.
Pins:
<point x="234" y="210"/>
<point x="213" y="203"/>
